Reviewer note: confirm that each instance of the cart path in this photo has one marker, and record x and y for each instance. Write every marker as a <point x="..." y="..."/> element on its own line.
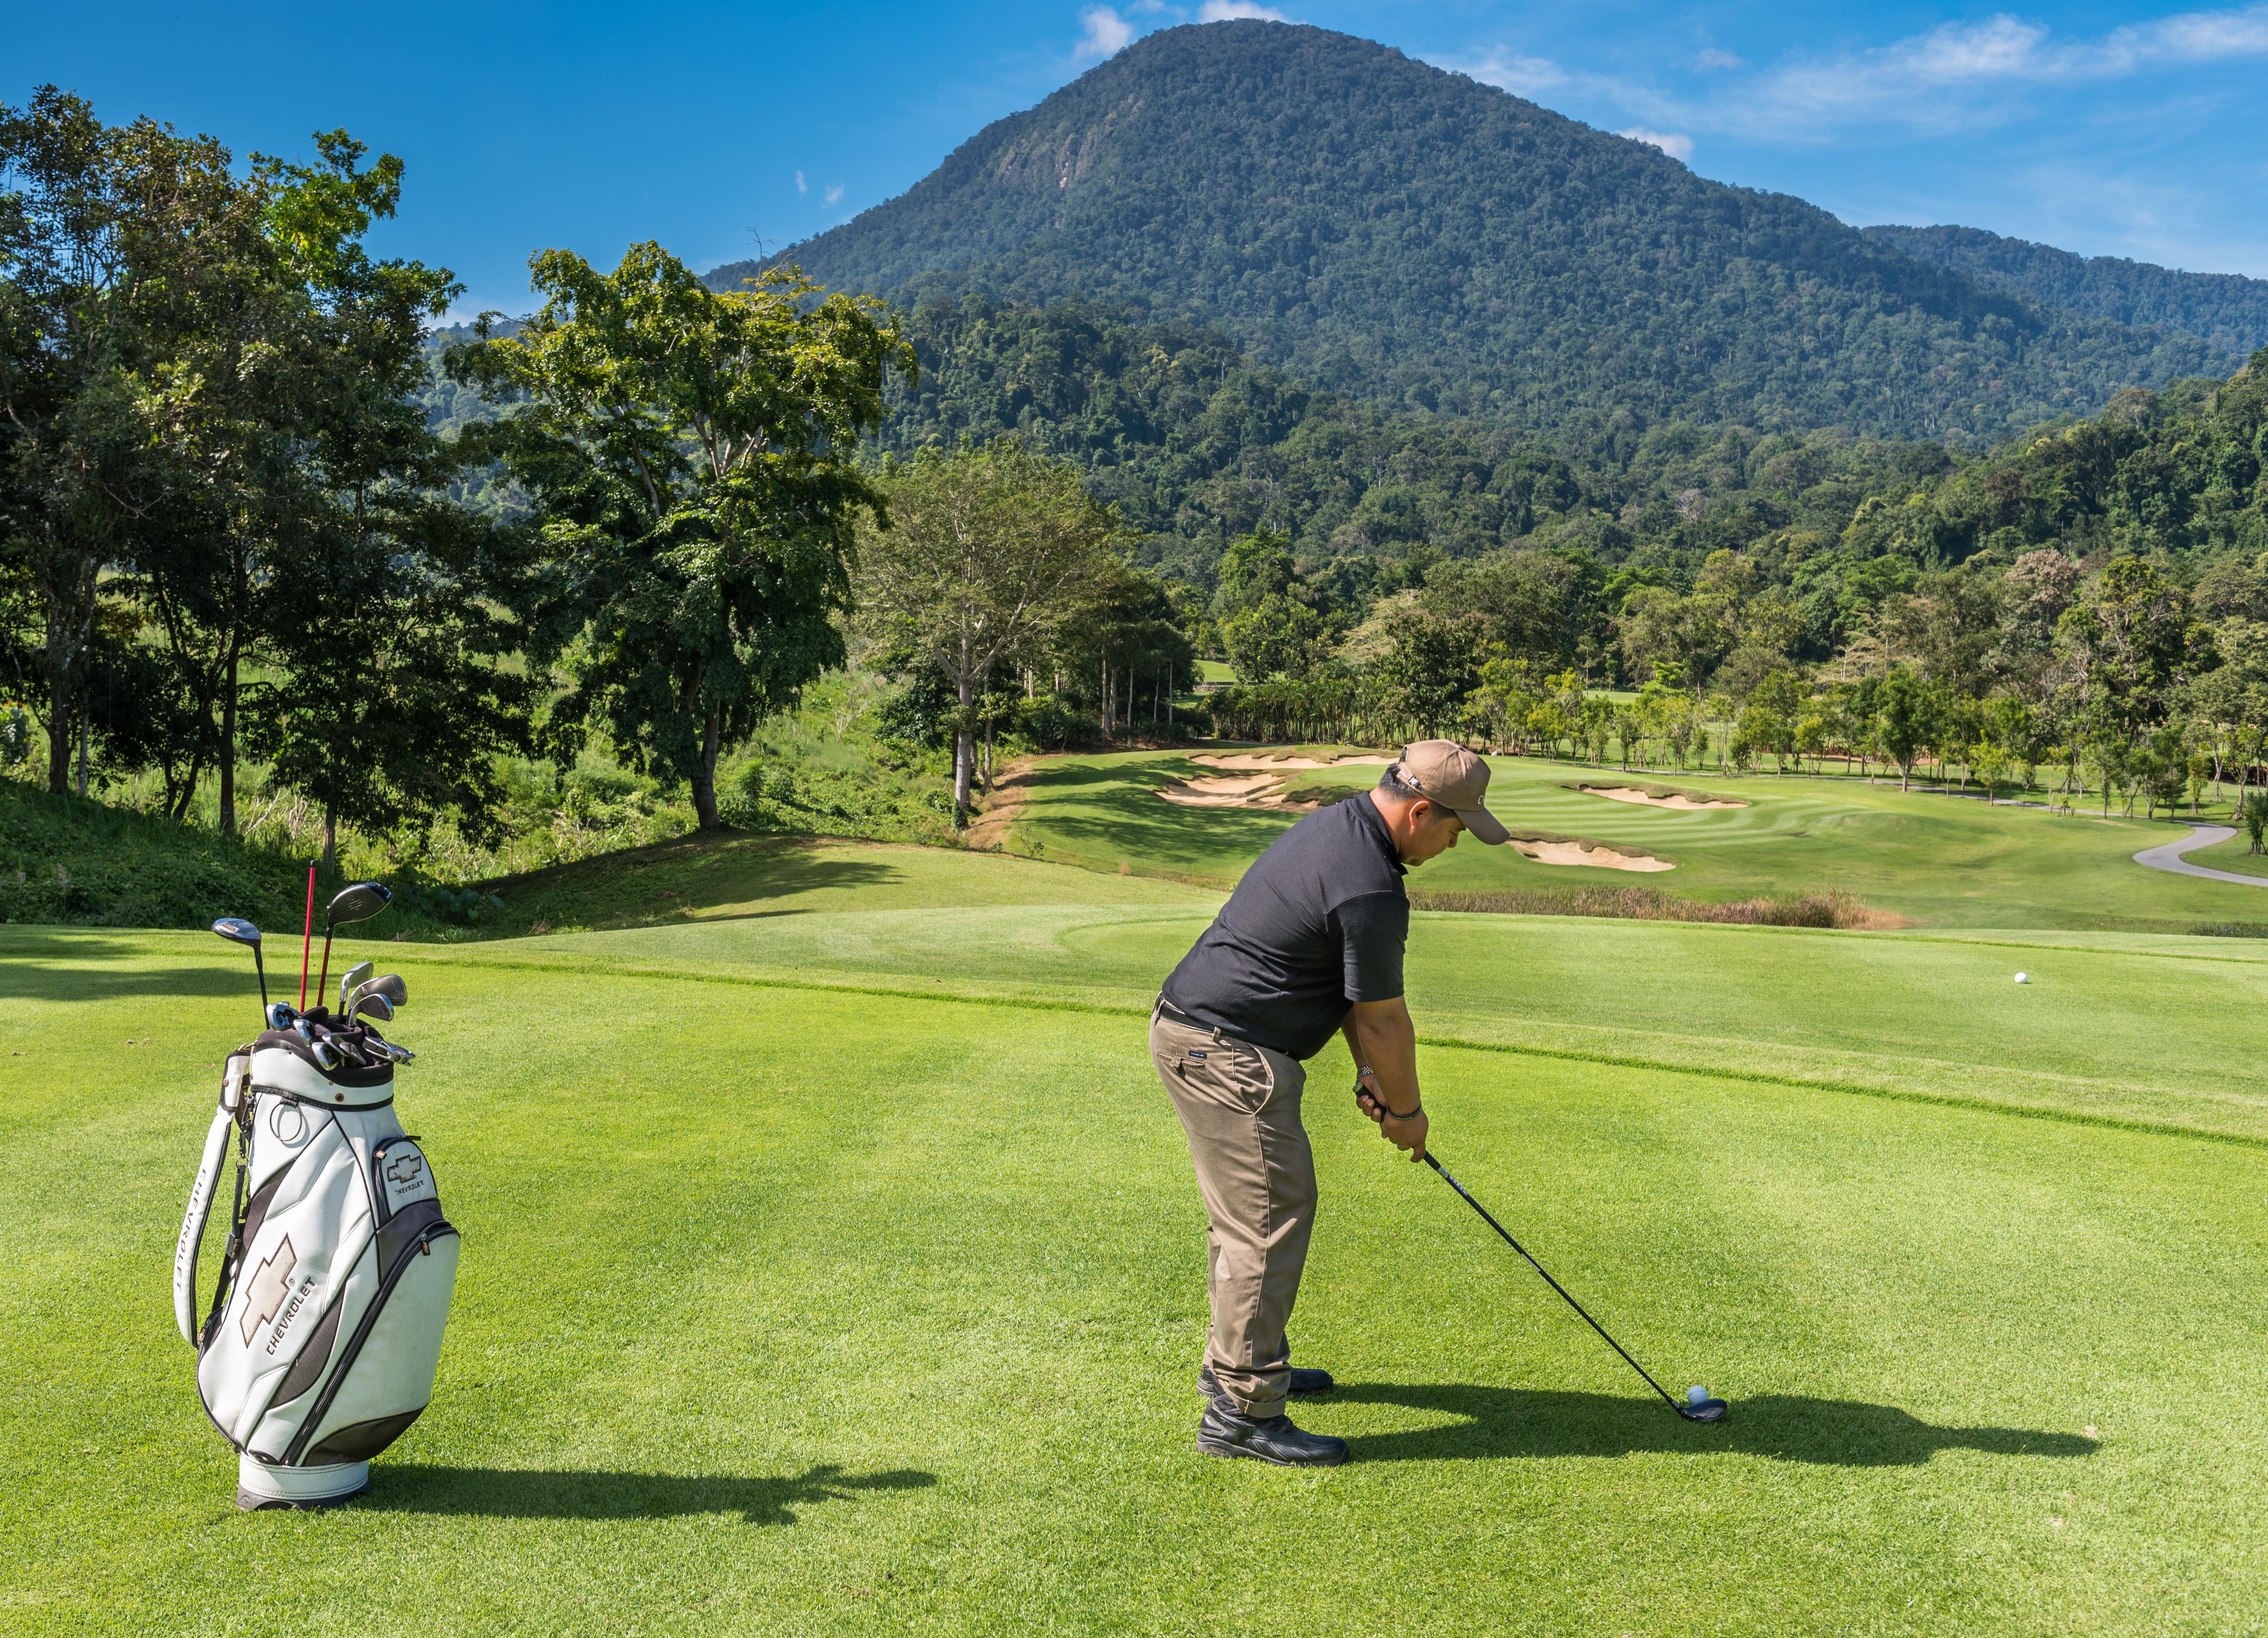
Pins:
<point x="2169" y="856"/>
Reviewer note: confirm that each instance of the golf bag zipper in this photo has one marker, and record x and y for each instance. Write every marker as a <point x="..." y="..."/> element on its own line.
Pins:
<point x="392" y="1278"/>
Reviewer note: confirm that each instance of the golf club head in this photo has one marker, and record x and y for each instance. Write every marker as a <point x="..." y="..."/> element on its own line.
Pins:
<point x="348" y="980"/>
<point x="236" y="929"/>
<point x="391" y="986"/>
<point x="329" y="1056"/>
<point x="358" y="902"/>
<point x="282" y="1014"/>
<point x="1707" y="1411"/>
<point x="373" y="1007"/>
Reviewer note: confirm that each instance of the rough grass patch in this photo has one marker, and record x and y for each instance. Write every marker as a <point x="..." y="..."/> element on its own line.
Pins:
<point x="1830" y="908"/>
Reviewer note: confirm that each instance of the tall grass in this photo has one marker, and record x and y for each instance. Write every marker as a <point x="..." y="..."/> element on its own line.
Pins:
<point x="1829" y="909"/>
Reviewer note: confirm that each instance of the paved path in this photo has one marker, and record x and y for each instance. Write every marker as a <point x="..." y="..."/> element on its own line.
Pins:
<point x="2168" y="857"/>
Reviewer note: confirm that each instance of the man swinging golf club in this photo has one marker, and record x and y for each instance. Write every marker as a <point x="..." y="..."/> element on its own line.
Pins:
<point x="1308" y="945"/>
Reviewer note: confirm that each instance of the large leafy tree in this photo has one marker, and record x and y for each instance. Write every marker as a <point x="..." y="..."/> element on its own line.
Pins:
<point x="691" y="456"/>
<point x="385" y="605"/>
<point x="133" y="273"/>
<point x="988" y="551"/>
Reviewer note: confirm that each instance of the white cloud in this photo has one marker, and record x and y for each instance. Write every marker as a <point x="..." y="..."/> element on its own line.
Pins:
<point x="1676" y="144"/>
<point x="799" y="186"/>
<point x="1508" y="71"/>
<point x="833" y="195"/>
<point x="1106" y="34"/>
<point x="1230" y="10"/>
<point x="1956" y="73"/>
<point x="1714" y="58"/>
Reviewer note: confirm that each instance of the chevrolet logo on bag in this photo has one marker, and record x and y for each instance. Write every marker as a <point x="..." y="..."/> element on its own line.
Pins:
<point x="263" y="1295"/>
<point x="404" y="1171"/>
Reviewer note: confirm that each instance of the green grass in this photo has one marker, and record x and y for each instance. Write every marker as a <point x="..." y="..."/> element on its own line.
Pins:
<point x="2235" y="855"/>
<point x="832" y="1265"/>
<point x="1937" y="860"/>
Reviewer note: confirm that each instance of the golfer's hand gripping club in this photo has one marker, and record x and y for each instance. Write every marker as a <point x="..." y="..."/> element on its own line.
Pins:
<point x="1406" y="1132"/>
<point x="1384" y="1043"/>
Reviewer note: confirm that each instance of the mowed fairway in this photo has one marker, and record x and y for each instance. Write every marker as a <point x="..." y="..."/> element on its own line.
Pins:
<point x="832" y="1269"/>
<point x="1937" y="860"/>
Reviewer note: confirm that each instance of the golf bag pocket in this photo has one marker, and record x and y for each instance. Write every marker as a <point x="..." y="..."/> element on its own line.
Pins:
<point x="388" y="1381"/>
<point x="305" y="1230"/>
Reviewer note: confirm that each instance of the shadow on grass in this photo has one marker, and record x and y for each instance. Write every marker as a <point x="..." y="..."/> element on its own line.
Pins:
<point x="518" y="1493"/>
<point x="1499" y="1423"/>
<point x="68" y="969"/>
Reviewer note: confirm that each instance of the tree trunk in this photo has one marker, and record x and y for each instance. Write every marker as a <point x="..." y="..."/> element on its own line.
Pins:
<point x="82" y="745"/>
<point x="228" y="751"/>
<point x="705" y="779"/>
<point x="988" y="757"/>
<point x="59" y="736"/>
<point x="964" y="752"/>
<point x="331" y="837"/>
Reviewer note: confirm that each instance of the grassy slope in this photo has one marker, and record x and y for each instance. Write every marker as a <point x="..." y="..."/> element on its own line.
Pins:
<point x="1938" y="860"/>
<point x="809" y="1312"/>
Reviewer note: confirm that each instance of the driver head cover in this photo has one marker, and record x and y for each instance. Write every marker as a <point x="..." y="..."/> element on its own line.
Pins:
<point x="1451" y="777"/>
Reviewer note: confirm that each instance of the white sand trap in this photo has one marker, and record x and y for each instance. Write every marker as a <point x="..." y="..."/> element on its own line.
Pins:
<point x="1575" y="853"/>
<point x="1285" y="764"/>
<point x="1623" y="794"/>
<point x="1216" y="793"/>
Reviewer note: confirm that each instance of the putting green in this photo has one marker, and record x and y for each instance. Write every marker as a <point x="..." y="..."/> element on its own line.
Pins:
<point x="1937" y="860"/>
<point x="805" y="1310"/>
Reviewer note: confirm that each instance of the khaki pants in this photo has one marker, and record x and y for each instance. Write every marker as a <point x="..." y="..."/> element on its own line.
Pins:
<point x="1240" y="1105"/>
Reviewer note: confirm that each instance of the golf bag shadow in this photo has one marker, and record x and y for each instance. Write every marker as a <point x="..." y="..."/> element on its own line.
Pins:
<point x="325" y="1329"/>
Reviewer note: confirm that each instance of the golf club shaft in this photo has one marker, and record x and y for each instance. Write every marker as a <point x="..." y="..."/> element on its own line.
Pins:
<point x="307" y="936"/>
<point x="1554" y="1284"/>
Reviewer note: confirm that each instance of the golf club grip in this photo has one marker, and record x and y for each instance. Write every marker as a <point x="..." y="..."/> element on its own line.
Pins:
<point x="1465" y="1196"/>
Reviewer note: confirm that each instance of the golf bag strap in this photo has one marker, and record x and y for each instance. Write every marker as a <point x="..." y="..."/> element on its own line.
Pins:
<point x="193" y="1223"/>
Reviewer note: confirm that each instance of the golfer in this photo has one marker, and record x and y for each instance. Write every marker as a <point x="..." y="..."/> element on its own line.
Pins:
<point x="1309" y="945"/>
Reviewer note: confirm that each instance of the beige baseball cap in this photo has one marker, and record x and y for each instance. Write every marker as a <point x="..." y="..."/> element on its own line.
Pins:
<point x="1449" y="776"/>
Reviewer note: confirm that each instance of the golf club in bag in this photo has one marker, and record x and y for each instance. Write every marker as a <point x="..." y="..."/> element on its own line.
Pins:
<point x="320" y="1345"/>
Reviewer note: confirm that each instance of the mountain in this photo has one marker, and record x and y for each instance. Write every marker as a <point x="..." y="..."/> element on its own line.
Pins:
<point x="2226" y="309"/>
<point x="1376" y="226"/>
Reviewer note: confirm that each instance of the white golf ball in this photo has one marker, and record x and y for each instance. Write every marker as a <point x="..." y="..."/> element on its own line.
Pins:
<point x="1694" y="1396"/>
<point x="2023" y="977"/>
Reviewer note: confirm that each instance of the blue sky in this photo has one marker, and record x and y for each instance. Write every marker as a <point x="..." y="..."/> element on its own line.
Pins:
<point x="2116" y="129"/>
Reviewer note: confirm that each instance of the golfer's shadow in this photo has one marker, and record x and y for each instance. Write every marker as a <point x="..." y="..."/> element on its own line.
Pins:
<point x="529" y="1492"/>
<point x="1503" y="1423"/>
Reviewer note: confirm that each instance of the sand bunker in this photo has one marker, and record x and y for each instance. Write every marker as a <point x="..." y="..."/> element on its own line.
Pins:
<point x="1576" y="853"/>
<point x="1281" y="764"/>
<point x="1654" y="799"/>
<point x="1217" y="793"/>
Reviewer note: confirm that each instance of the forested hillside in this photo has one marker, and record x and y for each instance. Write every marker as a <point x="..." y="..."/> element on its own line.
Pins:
<point x="2226" y="309"/>
<point x="1380" y="228"/>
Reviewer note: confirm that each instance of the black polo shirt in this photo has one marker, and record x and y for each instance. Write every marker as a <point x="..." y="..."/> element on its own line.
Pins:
<point x="1318" y="924"/>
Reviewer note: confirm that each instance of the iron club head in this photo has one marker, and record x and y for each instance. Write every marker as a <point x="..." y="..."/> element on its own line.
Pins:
<point x="390" y="986"/>
<point x="350" y="977"/>
<point x="372" y="1006"/>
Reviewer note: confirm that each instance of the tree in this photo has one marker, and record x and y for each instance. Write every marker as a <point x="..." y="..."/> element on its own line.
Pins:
<point x="985" y="552"/>
<point x="692" y="457"/>
<point x="1268" y="619"/>
<point x="1431" y="666"/>
<point x="1904" y="720"/>
<point x="122" y="249"/>
<point x="2253" y="814"/>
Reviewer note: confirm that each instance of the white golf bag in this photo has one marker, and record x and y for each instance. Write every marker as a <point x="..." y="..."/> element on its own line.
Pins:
<point x="325" y="1329"/>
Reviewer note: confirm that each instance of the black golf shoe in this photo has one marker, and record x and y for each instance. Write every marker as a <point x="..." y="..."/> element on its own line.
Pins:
<point x="1305" y="1383"/>
<point x="1227" y="1431"/>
